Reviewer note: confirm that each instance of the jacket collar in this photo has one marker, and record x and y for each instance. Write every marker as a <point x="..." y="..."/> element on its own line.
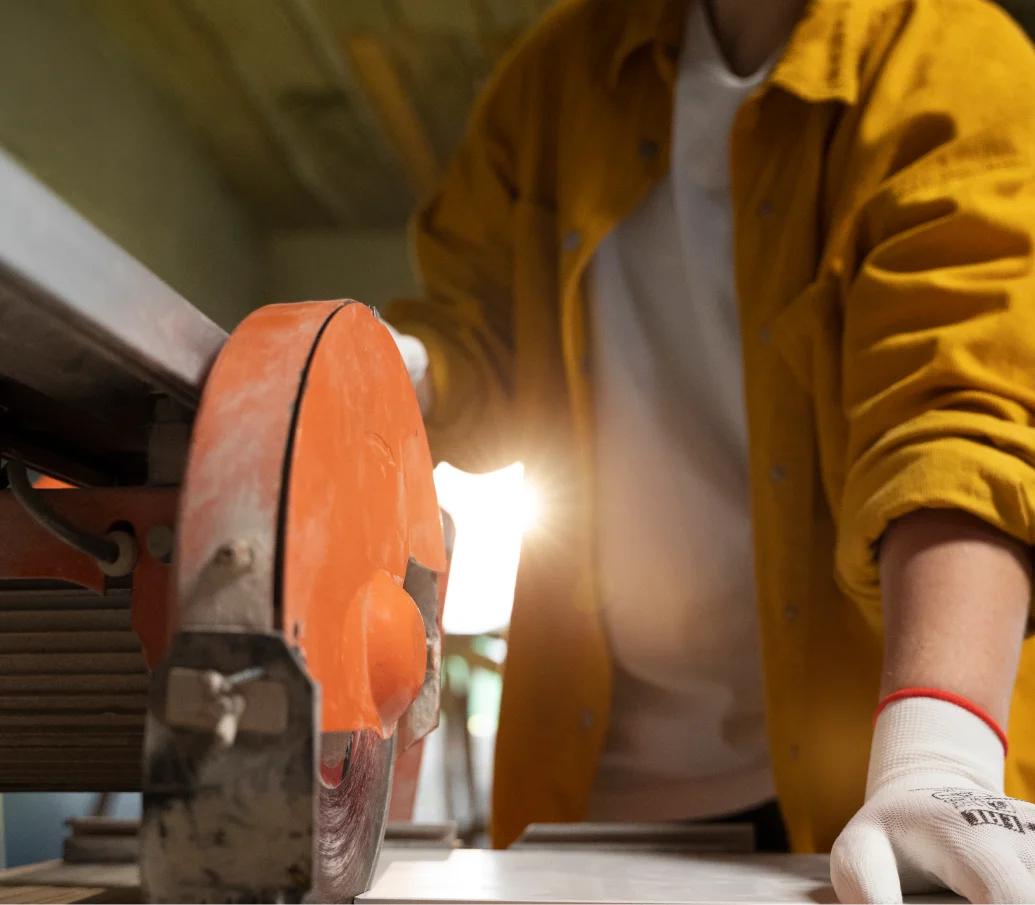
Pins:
<point x="820" y="63"/>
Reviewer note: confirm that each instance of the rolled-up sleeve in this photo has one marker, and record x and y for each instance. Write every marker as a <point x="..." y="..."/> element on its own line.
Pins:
<point x="938" y="356"/>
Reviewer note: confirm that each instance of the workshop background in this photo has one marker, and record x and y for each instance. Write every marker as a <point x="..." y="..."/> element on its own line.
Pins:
<point x="256" y="151"/>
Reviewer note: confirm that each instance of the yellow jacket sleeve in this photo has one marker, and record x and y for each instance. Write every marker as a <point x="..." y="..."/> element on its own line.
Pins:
<point x="462" y="240"/>
<point x="938" y="355"/>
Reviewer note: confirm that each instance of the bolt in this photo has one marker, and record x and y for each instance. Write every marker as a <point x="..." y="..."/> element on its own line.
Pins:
<point x="235" y="555"/>
<point x="160" y="543"/>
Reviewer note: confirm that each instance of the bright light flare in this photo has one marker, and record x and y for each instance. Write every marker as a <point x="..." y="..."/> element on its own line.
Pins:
<point x="491" y="512"/>
<point x="527" y="506"/>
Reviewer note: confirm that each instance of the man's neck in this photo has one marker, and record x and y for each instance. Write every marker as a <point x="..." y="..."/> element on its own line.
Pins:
<point x="749" y="32"/>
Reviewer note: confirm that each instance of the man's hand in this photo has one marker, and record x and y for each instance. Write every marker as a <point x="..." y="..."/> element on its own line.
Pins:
<point x="415" y="357"/>
<point x="956" y="596"/>
<point x="935" y="813"/>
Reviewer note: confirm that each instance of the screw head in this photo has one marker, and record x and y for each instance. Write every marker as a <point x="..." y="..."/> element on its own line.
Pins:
<point x="235" y="555"/>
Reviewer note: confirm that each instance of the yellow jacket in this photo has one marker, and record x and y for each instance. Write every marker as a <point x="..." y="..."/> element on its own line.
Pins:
<point x="884" y="213"/>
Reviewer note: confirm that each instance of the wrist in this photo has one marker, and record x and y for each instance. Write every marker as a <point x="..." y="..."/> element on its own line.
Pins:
<point x="921" y="737"/>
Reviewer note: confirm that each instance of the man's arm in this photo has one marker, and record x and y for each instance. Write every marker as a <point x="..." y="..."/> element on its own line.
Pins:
<point x="956" y="594"/>
<point x="936" y="333"/>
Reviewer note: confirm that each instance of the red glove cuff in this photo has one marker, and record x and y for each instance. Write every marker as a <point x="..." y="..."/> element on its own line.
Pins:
<point x="949" y="698"/>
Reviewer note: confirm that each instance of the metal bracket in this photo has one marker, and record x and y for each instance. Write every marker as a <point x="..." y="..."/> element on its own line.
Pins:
<point x="229" y="816"/>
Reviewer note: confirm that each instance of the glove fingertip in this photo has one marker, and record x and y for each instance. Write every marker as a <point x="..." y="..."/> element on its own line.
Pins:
<point x="863" y="867"/>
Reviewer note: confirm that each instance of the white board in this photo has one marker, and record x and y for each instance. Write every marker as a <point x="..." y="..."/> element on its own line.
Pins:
<point x="607" y="878"/>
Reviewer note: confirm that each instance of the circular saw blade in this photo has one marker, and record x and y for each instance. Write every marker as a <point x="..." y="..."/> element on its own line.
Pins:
<point x="309" y="493"/>
<point x="351" y="820"/>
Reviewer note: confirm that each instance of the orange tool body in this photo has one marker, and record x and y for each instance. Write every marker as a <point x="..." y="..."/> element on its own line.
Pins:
<point x="237" y="577"/>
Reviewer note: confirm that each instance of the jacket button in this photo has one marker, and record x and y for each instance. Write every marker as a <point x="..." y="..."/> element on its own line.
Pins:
<point x="648" y="149"/>
<point x="777" y="474"/>
<point x="586" y="719"/>
<point x="572" y="241"/>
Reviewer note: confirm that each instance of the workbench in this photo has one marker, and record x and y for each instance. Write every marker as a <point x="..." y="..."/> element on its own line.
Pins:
<point x="434" y="875"/>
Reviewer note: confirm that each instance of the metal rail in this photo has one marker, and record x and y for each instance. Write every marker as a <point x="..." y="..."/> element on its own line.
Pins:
<point x="88" y="339"/>
<point x="89" y="290"/>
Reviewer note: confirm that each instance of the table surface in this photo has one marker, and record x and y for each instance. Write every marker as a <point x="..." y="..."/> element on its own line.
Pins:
<point x="428" y="876"/>
<point x="607" y="878"/>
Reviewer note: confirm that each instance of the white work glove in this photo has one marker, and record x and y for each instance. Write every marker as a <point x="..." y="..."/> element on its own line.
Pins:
<point x="414" y="354"/>
<point x="935" y="815"/>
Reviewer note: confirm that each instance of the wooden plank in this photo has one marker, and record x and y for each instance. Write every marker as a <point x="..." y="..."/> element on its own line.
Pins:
<point x="68" y="719"/>
<point x="82" y="703"/>
<point x="87" y="784"/>
<point x="46" y="759"/>
<point x="70" y="599"/>
<point x="111" y="877"/>
<point x="10" y="874"/>
<point x="52" y="620"/>
<point x="103" y="826"/>
<point x="47" y="642"/>
<point x="46" y="737"/>
<point x="119" y="683"/>
<point x="30" y="664"/>
<point x="47" y="895"/>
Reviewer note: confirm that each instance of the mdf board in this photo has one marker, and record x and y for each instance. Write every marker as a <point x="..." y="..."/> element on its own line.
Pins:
<point x="32" y="885"/>
<point x="608" y="878"/>
<point x="63" y="882"/>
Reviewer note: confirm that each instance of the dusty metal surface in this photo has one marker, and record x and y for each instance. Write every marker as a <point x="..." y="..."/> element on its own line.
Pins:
<point x="352" y="818"/>
<point x="88" y="337"/>
<point x="230" y="822"/>
<point x="422" y="584"/>
<point x="226" y="564"/>
<point x="308" y="490"/>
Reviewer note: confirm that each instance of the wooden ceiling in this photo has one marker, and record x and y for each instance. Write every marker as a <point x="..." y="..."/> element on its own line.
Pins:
<point x="322" y="112"/>
<point x="328" y="112"/>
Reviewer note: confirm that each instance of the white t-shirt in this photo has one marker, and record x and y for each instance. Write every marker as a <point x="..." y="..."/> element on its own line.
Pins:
<point x="687" y="737"/>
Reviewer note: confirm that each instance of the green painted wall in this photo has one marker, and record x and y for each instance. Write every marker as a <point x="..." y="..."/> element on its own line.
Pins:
<point x="371" y="266"/>
<point x="77" y="114"/>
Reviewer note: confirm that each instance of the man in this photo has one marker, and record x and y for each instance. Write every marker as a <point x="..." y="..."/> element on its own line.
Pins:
<point x="749" y="288"/>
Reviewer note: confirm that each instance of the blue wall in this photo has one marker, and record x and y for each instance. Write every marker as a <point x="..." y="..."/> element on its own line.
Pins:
<point x="34" y="822"/>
